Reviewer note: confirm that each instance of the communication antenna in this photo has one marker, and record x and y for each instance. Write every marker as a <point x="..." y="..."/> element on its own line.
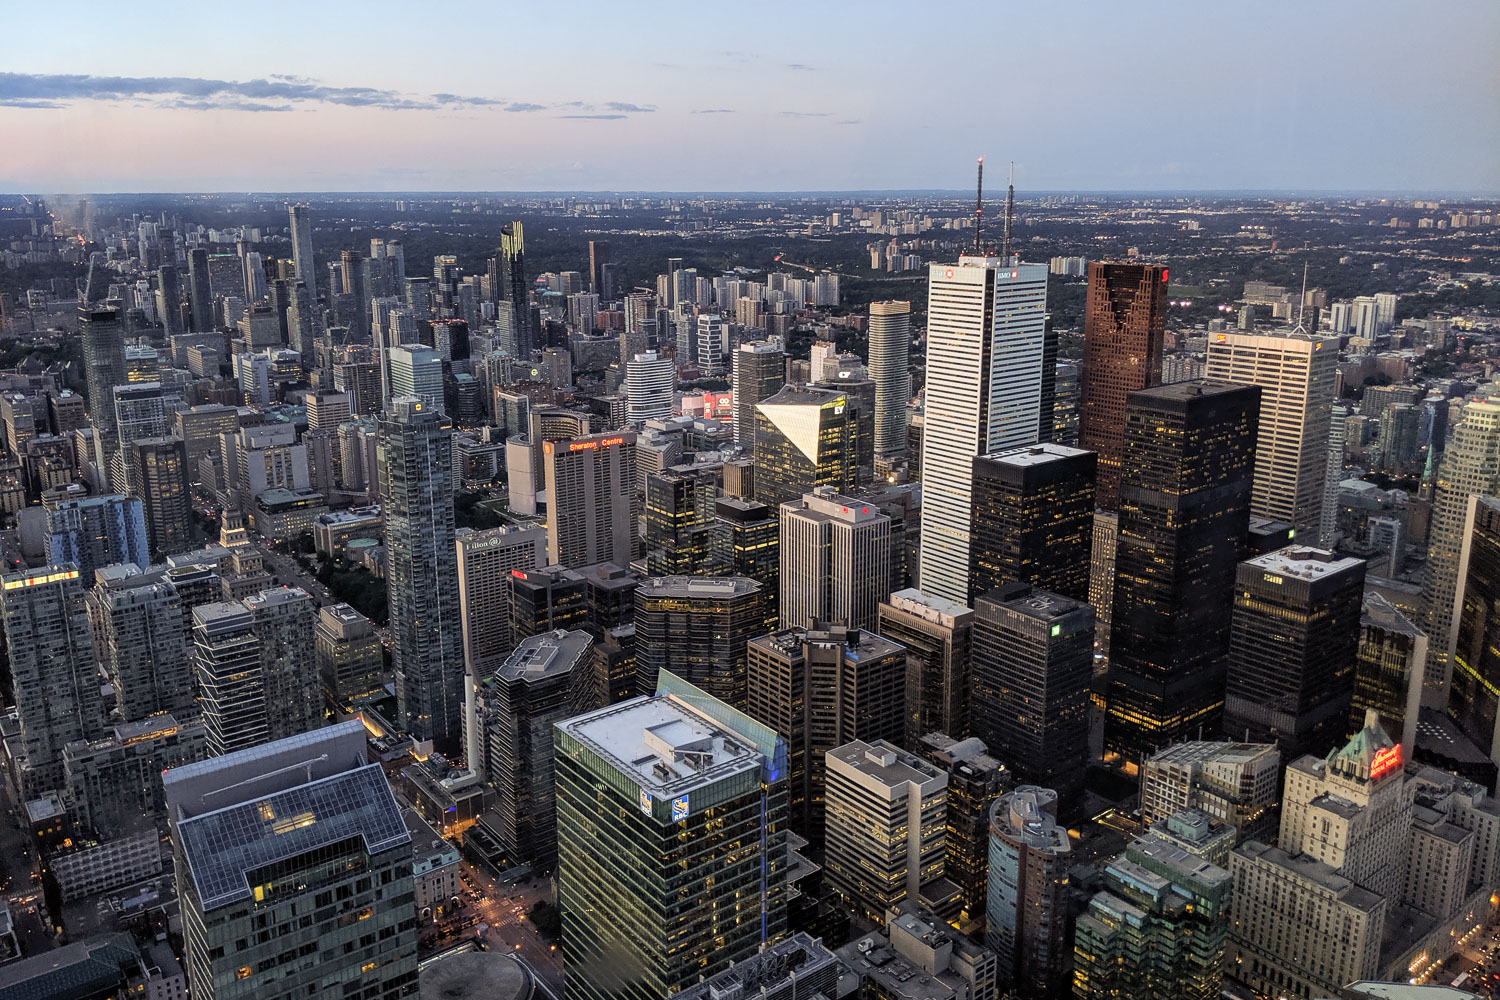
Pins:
<point x="1302" y="305"/>
<point x="979" y="209"/>
<point x="1010" y="213"/>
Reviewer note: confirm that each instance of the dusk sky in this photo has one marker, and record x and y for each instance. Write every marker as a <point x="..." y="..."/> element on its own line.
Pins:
<point x="1374" y="95"/>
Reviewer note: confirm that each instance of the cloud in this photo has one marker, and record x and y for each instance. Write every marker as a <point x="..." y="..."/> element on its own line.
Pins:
<point x="633" y="108"/>
<point x="17" y="102"/>
<point x="226" y="105"/>
<point x="595" y="117"/>
<point x="848" y="121"/>
<point x="807" y="114"/>
<point x="184" y="91"/>
<point x="714" y="111"/>
<point x="804" y="67"/>
<point x="522" y="106"/>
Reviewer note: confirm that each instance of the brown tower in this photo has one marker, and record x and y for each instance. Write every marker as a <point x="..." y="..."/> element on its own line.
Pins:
<point x="1122" y="343"/>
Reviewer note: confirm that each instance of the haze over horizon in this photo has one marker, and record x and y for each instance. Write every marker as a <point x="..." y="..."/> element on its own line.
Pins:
<point x="1339" y="97"/>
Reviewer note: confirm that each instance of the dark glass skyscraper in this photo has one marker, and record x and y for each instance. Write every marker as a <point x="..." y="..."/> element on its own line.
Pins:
<point x="416" y="487"/>
<point x="1293" y="648"/>
<point x="1124" y="317"/>
<point x="200" y="290"/>
<point x="804" y="438"/>
<point x="103" y="336"/>
<point x="1187" y="464"/>
<point x="1472" y="702"/>
<point x="1033" y="519"/>
<point x="513" y="287"/>
<point x="697" y="628"/>
<point x="1032" y="659"/>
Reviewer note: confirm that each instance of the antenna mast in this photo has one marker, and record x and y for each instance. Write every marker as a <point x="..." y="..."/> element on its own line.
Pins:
<point x="1010" y="213"/>
<point x="979" y="208"/>
<point x="1302" y="305"/>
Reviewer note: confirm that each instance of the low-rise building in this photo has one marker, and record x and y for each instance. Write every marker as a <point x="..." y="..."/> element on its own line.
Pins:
<point x="434" y="868"/>
<point x="283" y="515"/>
<point x="333" y="531"/>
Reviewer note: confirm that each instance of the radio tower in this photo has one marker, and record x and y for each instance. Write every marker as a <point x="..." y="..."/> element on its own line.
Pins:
<point x="979" y="209"/>
<point x="1010" y="214"/>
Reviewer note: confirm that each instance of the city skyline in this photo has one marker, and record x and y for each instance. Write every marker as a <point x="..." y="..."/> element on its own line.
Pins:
<point x="1208" y="102"/>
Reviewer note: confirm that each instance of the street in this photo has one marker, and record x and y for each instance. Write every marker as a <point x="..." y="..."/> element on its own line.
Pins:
<point x="502" y="911"/>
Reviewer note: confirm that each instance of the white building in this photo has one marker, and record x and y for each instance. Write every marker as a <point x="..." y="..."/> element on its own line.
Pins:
<point x="985" y="332"/>
<point x="890" y="369"/>
<point x="835" y="560"/>
<point x="650" y="385"/>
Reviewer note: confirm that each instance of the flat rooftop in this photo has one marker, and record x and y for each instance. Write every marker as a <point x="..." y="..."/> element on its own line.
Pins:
<point x="550" y="654"/>
<point x="1036" y="454"/>
<point x="887" y="764"/>
<point x="705" y="587"/>
<point x="662" y="745"/>
<point x="1303" y="562"/>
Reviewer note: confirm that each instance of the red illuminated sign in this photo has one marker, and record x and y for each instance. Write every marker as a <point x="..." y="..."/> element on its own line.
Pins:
<point x="1385" y="761"/>
<point x="1164" y="275"/>
<point x="1015" y="274"/>
<point x="518" y="574"/>
<point x="595" y="445"/>
<point x="948" y="273"/>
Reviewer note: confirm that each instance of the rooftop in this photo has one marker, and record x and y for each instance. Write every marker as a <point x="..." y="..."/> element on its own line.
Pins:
<point x="887" y="764"/>
<point x="930" y="607"/>
<point x="1378" y="612"/>
<point x="1311" y="870"/>
<point x="709" y="588"/>
<point x="1304" y="562"/>
<point x="1196" y="751"/>
<point x="1029" y="814"/>
<point x="550" y="654"/>
<point x="1036" y="454"/>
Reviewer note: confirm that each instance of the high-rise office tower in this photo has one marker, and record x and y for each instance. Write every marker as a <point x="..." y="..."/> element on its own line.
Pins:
<point x="514" y="288"/>
<point x="301" y="319"/>
<point x="1292" y="649"/>
<point x="820" y="687"/>
<point x="169" y="300"/>
<point x="351" y="661"/>
<point x="985" y="332"/>
<point x="1158" y="928"/>
<point x="416" y="489"/>
<point x="1124" y="318"/>
<point x="804" y="438"/>
<point x="1473" y="701"/>
<point x="1033" y="519"/>
<point x="485" y="559"/>
<point x="1026" y="916"/>
<point x="1295" y="373"/>
<point x="746" y="541"/>
<point x="416" y="371"/>
<point x="539" y="685"/>
<point x="860" y="393"/>
<point x="758" y="372"/>
<point x="352" y="266"/>
<point x="139" y="413"/>
<point x="103" y="337"/>
<point x="257" y="668"/>
<point x="1388" y="672"/>
<point x="712" y="344"/>
<point x="650" y="388"/>
<point x="300" y="220"/>
<point x="835" y="560"/>
<point x="302" y="835"/>
<point x="94" y="532"/>
<point x="598" y="257"/>
<point x="1236" y="783"/>
<point x="890" y="369"/>
<point x="1103" y="547"/>
<point x="51" y="654"/>
<point x="679" y="522"/>
<point x="697" y="627"/>
<point x="1469" y="468"/>
<point x="976" y="780"/>
<point x="200" y="290"/>
<point x="886" y="834"/>
<point x="591" y="499"/>
<point x="140" y="642"/>
<point x="936" y="634"/>
<point x="157" y="470"/>
<point x="545" y="600"/>
<point x="1032" y="661"/>
<point x="1186" y="474"/>
<point x="635" y="782"/>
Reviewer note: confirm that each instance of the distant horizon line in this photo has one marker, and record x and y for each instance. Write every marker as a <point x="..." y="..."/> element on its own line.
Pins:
<point x="787" y="193"/>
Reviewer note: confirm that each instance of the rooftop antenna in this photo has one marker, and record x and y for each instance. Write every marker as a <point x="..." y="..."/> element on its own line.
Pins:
<point x="1010" y="213"/>
<point x="1302" y="306"/>
<point x="979" y="209"/>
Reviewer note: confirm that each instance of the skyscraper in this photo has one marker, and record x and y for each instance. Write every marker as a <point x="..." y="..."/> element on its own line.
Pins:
<point x="746" y="540"/>
<point x="1470" y="467"/>
<point x="200" y="290"/>
<point x="350" y="657"/>
<point x="514" y="288"/>
<point x="650" y="388"/>
<point x="1292" y="649"/>
<point x="300" y="220"/>
<point x="257" y="668"/>
<point x="270" y="837"/>
<point x="48" y="641"/>
<point x="635" y="783"/>
<point x="140" y="642"/>
<point x="985" y="333"/>
<point x="937" y="635"/>
<point x="1125" y="314"/>
<point x="1186" y="473"/>
<point x="1033" y="519"/>
<point x="591" y="498"/>
<point x="679" y="522"/>
<point x="1388" y="672"/>
<point x="416" y="371"/>
<point x="976" y="780"/>
<point x="835" y="560"/>
<point x="1026" y="916"/>
<point x="1473" y="701"/>
<point x="169" y="299"/>
<point x="820" y="687"/>
<point x="485" y="560"/>
<point x="157" y="470"/>
<point x="103" y="338"/>
<point x="758" y="371"/>
<point x="804" y="438"/>
<point x="416" y="488"/>
<point x="890" y="368"/>
<point x="598" y="257"/>
<point x="1295" y="373"/>
<point x="887" y="830"/>
<point x="1032" y="659"/>
<point x="696" y="627"/>
<point x="94" y="532"/>
<point x="538" y="686"/>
